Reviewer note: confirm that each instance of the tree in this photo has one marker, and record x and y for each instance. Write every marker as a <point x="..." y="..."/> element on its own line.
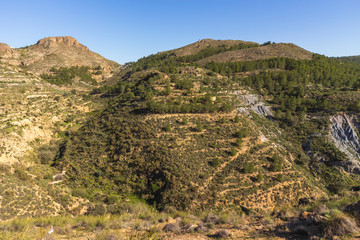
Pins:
<point x="215" y="162"/>
<point x="167" y="89"/>
<point x="167" y="127"/>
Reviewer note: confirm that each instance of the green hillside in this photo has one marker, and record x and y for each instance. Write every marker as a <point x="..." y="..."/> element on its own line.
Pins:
<point x="260" y="140"/>
<point x="172" y="133"/>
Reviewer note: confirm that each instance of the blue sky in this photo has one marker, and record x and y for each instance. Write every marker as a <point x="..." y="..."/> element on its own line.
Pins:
<point x="127" y="30"/>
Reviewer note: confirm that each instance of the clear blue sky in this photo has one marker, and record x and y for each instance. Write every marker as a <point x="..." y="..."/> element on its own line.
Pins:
<point x="127" y="30"/>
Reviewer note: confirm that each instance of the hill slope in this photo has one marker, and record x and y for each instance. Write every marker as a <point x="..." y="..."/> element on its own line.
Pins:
<point x="261" y="134"/>
<point x="206" y="43"/>
<point x="55" y="52"/>
<point x="34" y="116"/>
<point x="170" y="135"/>
<point x="261" y="52"/>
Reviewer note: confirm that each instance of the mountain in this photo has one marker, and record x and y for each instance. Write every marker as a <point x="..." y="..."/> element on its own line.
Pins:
<point x="255" y="140"/>
<point x="261" y="52"/>
<point x="55" y="52"/>
<point x="207" y="43"/>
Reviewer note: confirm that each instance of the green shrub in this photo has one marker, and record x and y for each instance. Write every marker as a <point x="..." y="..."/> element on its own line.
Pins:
<point x="248" y="168"/>
<point x="184" y="120"/>
<point x="199" y="127"/>
<point x="215" y="162"/>
<point x="184" y="84"/>
<point x="238" y="142"/>
<point x="243" y="133"/>
<point x="97" y="209"/>
<point x="79" y="192"/>
<point x="276" y="164"/>
<point x="22" y="175"/>
<point x="233" y="151"/>
<point x="167" y="127"/>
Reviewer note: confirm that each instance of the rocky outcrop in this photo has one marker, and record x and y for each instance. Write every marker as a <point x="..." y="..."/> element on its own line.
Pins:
<point x="52" y="42"/>
<point x="344" y="135"/>
<point x="255" y="103"/>
<point x="5" y="50"/>
<point x="55" y="52"/>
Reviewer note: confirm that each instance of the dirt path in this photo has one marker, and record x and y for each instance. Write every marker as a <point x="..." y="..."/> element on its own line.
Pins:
<point x="244" y="148"/>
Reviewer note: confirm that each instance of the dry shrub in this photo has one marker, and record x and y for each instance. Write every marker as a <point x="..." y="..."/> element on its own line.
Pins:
<point x="341" y="225"/>
<point x="105" y="235"/>
<point x="354" y="209"/>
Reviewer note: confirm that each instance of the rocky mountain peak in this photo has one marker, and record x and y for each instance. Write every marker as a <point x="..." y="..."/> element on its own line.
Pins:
<point x="67" y="41"/>
<point x="5" y="50"/>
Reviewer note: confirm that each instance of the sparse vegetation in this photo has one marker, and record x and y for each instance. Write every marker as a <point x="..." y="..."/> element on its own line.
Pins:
<point x="65" y="76"/>
<point x="174" y="133"/>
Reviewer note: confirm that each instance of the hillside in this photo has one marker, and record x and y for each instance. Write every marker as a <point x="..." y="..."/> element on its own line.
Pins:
<point x="55" y="52"/>
<point x="190" y="157"/>
<point x="261" y="52"/>
<point x="205" y="43"/>
<point x="260" y="141"/>
<point x="250" y="135"/>
<point x="34" y="115"/>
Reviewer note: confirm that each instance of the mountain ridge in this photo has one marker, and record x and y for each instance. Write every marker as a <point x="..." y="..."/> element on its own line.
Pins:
<point x="55" y="52"/>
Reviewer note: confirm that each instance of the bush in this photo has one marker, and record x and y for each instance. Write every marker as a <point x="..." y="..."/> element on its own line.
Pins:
<point x="97" y="209"/>
<point x="199" y="127"/>
<point x="238" y="142"/>
<point x="215" y="162"/>
<point x="233" y="152"/>
<point x="276" y="164"/>
<point x="243" y="133"/>
<point x="167" y="127"/>
<point x="47" y="153"/>
<point x="184" y="84"/>
<point x="248" y="168"/>
<point x="184" y="120"/>
<point x="22" y="175"/>
<point x="79" y="192"/>
<point x="111" y="199"/>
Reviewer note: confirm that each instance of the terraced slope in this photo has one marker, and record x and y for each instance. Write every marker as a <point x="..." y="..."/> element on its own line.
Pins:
<point x="192" y="151"/>
<point x="285" y="50"/>
<point x="34" y="116"/>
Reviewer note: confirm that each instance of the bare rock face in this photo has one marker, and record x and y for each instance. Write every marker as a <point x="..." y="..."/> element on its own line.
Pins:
<point x="344" y="135"/>
<point x="52" y="42"/>
<point x="255" y="103"/>
<point x="5" y="50"/>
